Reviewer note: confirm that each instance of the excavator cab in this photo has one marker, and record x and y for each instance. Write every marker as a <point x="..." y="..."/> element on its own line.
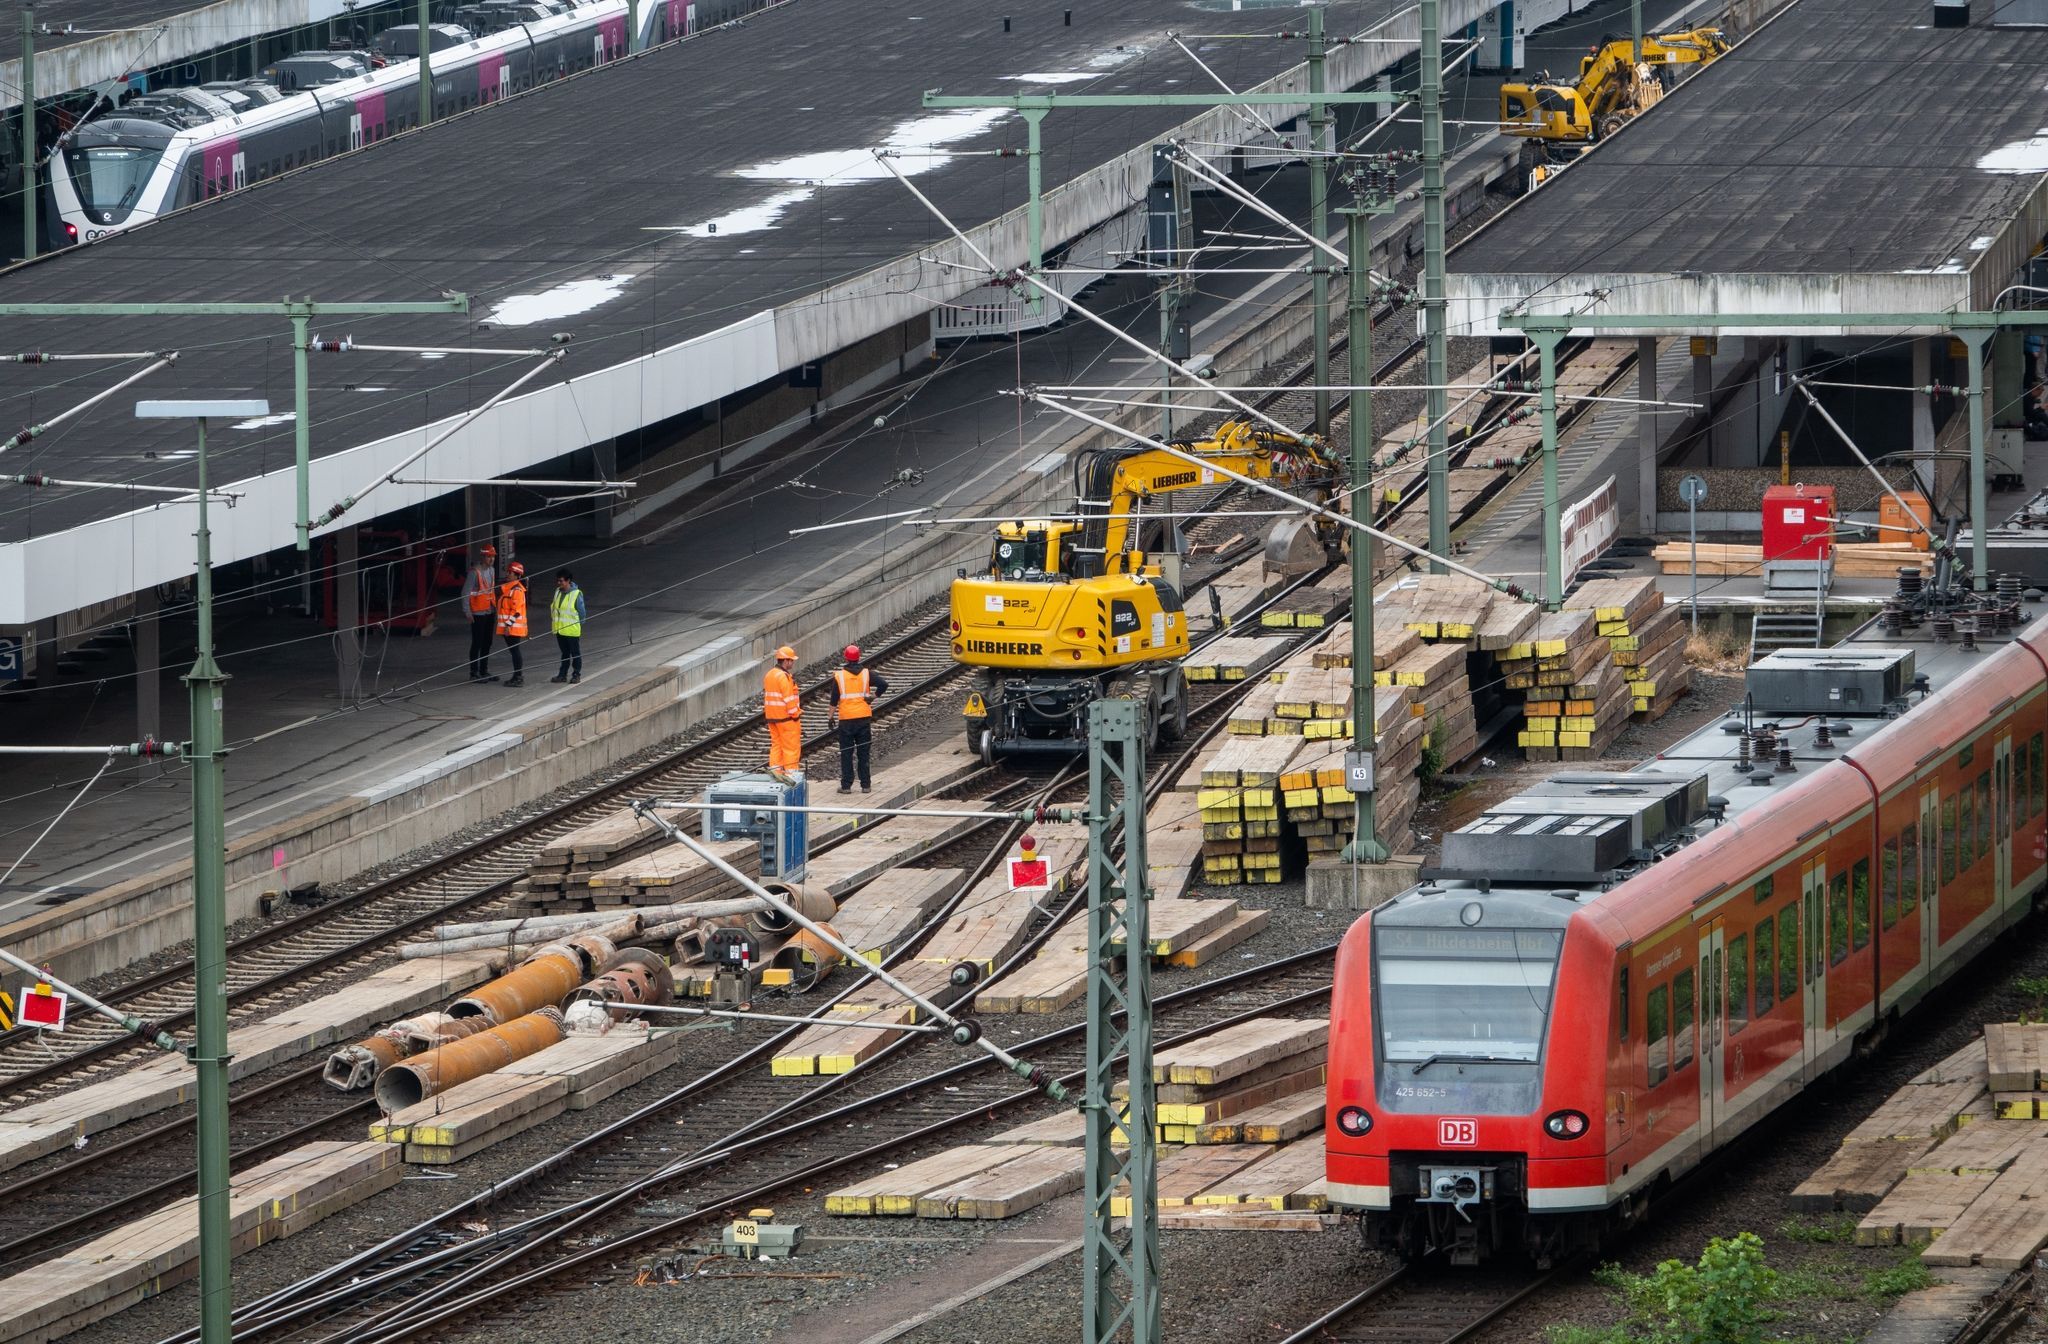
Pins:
<point x="1026" y="552"/>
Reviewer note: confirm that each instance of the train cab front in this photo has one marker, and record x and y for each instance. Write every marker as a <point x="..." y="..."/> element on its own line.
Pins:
<point x="1457" y="1103"/>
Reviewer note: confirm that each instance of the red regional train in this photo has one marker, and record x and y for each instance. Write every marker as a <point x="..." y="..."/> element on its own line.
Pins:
<point x="1609" y="978"/>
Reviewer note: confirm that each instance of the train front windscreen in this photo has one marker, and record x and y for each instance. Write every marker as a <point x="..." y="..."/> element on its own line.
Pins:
<point x="110" y="178"/>
<point x="1462" y="1014"/>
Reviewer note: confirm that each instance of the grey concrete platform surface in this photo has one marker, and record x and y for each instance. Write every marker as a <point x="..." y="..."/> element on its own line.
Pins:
<point x="1848" y="156"/>
<point x="696" y="239"/>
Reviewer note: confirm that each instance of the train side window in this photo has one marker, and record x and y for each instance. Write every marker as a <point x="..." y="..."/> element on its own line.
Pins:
<point x="1984" y="812"/>
<point x="1681" y="1020"/>
<point x="1788" y="953"/>
<point x="1909" y="868"/>
<point x="1859" y="906"/>
<point x="1658" y="1033"/>
<point x="1948" y="841"/>
<point x="1888" y="882"/>
<point x="1966" y="827"/>
<point x="1838" y="919"/>
<point x="1762" y="890"/>
<point x="2040" y="775"/>
<point x="2016" y="776"/>
<point x="1738" y="983"/>
<point x="1766" y="984"/>
<point x="1621" y="1000"/>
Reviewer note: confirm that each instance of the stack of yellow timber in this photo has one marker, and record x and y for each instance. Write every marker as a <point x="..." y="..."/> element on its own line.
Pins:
<point x="1309" y="607"/>
<point x="1310" y="700"/>
<point x="1853" y="560"/>
<point x="1442" y="696"/>
<point x="1576" y="696"/>
<point x="1235" y="658"/>
<point x="1254" y="710"/>
<point x="1449" y="607"/>
<point x="980" y="1180"/>
<point x="1647" y="636"/>
<point x="1236" y="1071"/>
<point x="1392" y="640"/>
<point x="1315" y="800"/>
<point x="277" y="1198"/>
<point x="1240" y="808"/>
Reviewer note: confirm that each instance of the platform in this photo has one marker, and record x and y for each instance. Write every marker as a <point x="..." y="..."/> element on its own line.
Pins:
<point x="751" y="246"/>
<point x="1848" y="156"/>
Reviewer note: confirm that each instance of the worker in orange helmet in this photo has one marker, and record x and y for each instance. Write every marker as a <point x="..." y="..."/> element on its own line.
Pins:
<point x="480" y="596"/>
<point x="512" y="619"/>
<point x="782" y="705"/>
<point x="854" y="690"/>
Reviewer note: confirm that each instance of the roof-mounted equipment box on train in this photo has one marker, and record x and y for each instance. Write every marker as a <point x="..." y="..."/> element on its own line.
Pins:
<point x="1574" y="828"/>
<point x="1860" y="680"/>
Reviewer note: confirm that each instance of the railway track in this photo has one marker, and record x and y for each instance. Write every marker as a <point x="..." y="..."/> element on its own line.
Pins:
<point x="418" y="1280"/>
<point x="1422" y="1304"/>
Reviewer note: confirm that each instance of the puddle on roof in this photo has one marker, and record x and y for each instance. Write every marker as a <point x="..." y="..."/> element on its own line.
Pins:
<point x="265" y="421"/>
<point x="564" y="300"/>
<point x="919" y="145"/>
<point x="747" y="219"/>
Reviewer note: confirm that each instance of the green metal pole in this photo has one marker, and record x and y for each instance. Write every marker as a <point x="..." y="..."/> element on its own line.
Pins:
<point x="1635" y="28"/>
<point x="1319" y="122"/>
<point x="1034" y="206"/>
<point x="28" y="131"/>
<point x="632" y="26"/>
<point x="1980" y="507"/>
<point x="1122" y="1280"/>
<point x="1553" y="543"/>
<point x="209" y="948"/>
<point x="1167" y="296"/>
<point x="1365" y="846"/>
<point x="1436" y="333"/>
<point x="302" y="429"/>
<point x="426" y="69"/>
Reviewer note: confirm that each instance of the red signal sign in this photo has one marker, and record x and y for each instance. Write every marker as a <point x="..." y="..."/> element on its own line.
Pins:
<point x="43" y="1007"/>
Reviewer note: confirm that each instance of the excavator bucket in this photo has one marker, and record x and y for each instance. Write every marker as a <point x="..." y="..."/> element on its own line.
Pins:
<point x="1292" y="547"/>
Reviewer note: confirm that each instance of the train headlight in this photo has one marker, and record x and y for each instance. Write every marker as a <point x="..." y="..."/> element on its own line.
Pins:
<point x="1566" y="1124"/>
<point x="1354" y="1121"/>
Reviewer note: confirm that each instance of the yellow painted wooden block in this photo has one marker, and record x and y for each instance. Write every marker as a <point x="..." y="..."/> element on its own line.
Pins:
<point x="1525" y="738"/>
<point x="1542" y="725"/>
<point x="1277" y="620"/>
<point x="1307" y="797"/>
<point x="1269" y="812"/>
<point x="793" y="1066"/>
<point x="1217" y="798"/>
<point x="1336" y="793"/>
<point x="1427" y="629"/>
<point x="1522" y="650"/>
<point x="1577" y="723"/>
<point x="1257" y="797"/>
<point x="839" y="1064"/>
<point x="1550" y="648"/>
<point x="1627" y="643"/>
<point x="1617" y="626"/>
<point x="1569" y="739"/>
<point x="1642" y="703"/>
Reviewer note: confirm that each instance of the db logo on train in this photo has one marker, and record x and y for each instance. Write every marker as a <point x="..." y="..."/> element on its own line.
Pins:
<point x="1458" y="1133"/>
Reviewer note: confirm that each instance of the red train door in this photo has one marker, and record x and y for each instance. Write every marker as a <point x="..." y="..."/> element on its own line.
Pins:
<point x="1930" y="878"/>
<point x="1813" y="989"/>
<point x="1713" y="1080"/>
<point x="2001" y="818"/>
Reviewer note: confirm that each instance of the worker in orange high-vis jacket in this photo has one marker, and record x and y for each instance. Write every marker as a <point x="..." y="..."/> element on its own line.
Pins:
<point x="480" y="596"/>
<point x="782" y="705"/>
<point x="855" y="689"/>
<point x="512" y="619"/>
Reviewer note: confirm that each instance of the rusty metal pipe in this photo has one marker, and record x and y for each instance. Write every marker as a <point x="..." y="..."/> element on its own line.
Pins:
<point x="414" y="1080"/>
<point x="541" y="981"/>
<point x="423" y="1037"/>
<point x="354" y="1067"/>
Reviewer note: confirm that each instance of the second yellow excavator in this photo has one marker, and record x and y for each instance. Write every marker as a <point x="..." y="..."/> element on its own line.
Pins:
<point x="1556" y="121"/>
<point x="1070" y="611"/>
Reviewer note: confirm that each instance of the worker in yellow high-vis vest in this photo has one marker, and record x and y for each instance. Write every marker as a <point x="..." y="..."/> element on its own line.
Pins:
<point x="566" y="614"/>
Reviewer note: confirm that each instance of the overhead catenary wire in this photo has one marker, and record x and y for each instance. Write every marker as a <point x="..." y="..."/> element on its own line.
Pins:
<point x="24" y="435"/>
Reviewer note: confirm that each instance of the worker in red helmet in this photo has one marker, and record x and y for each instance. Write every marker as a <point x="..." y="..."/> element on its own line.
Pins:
<point x="855" y="688"/>
<point x="782" y="704"/>
<point x="480" y="596"/>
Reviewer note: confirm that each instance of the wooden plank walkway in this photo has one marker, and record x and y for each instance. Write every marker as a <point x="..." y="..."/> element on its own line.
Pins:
<point x="277" y="1198"/>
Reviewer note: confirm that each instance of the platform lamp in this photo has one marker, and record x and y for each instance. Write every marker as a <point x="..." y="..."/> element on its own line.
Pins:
<point x="209" y="895"/>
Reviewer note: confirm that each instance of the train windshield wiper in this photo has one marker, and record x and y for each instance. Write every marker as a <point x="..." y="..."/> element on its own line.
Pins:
<point x="1468" y="1059"/>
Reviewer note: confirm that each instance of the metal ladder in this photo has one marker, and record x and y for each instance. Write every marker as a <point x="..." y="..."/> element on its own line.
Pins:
<point x="1783" y="630"/>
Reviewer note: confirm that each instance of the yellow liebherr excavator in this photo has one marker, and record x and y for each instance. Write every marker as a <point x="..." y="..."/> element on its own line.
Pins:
<point x="1558" y="120"/>
<point x="1068" y="612"/>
